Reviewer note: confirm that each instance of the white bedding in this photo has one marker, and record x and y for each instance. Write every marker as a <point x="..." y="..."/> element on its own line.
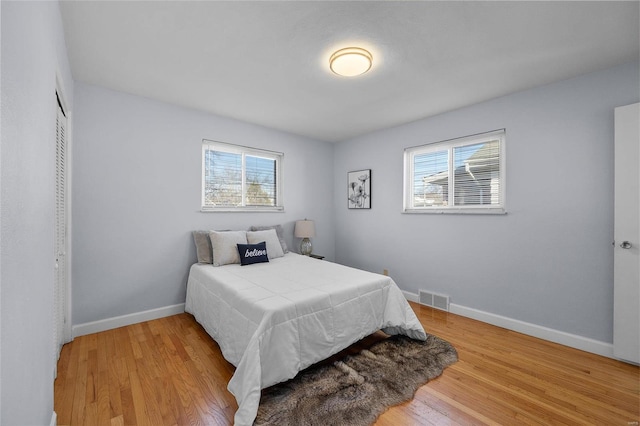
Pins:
<point x="274" y="319"/>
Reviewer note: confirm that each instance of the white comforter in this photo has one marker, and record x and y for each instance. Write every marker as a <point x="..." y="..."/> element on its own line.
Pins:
<point x="274" y="319"/>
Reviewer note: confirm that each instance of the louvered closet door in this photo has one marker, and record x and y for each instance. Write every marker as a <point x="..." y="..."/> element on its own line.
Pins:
<point x="60" y="284"/>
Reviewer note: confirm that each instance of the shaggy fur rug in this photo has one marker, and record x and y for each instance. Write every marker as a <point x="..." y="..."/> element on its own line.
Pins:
<point x="358" y="388"/>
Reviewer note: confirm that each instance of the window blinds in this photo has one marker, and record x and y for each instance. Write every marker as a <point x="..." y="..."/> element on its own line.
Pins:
<point x="464" y="174"/>
<point x="239" y="177"/>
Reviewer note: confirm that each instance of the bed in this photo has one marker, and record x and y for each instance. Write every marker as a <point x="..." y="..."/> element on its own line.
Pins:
<point x="272" y="320"/>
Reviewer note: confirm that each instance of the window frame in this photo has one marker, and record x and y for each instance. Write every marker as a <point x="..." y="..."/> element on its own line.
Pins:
<point x="278" y="157"/>
<point x="449" y="146"/>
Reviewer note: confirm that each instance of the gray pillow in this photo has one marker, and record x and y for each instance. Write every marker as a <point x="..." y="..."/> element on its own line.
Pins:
<point x="279" y="232"/>
<point x="225" y="246"/>
<point x="204" y="250"/>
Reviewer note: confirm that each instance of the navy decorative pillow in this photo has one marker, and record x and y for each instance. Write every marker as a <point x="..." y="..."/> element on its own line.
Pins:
<point x="253" y="253"/>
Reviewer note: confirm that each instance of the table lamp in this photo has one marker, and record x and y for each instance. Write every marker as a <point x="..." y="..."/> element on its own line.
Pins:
<point x="305" y="229"/>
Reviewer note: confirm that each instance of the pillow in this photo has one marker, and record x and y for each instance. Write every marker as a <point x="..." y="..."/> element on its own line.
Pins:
<point x="253" y="253"/>
<point x="279" y="231"/>
<point x="270" y="238"/>
<point x="203" y="246"/>
<point x="224" y="244"/>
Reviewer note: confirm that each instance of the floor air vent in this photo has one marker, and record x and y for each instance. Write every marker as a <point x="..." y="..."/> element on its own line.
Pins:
<point x="438" y="301"/>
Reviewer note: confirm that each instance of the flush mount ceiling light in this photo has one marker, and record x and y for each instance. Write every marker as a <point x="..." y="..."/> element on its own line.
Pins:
<point x="350" y="61"/>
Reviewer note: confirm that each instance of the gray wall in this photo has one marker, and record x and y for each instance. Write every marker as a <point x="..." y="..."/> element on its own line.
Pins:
<point x="33" y="52"/>
<point x="136" y="197"/>
<point x="549" y="261"/>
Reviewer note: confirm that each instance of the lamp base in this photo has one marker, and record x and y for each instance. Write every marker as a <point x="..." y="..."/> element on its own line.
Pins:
<point x="305" y="246"/>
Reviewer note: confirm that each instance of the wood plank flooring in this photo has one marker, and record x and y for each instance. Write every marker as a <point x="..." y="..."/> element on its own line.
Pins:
<point x="170" y="372"/>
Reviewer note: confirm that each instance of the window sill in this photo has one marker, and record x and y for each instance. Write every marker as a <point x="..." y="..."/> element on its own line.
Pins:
<point x="500" y="211"/>
<point x="242" y="210"/>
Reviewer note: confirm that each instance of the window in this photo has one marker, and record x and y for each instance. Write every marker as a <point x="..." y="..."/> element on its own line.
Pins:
<point x="237" y="178"/>
<point x="464" y="175"/>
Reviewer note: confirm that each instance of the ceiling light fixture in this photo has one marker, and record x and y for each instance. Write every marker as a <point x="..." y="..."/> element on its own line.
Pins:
<point x="350" y="61"/>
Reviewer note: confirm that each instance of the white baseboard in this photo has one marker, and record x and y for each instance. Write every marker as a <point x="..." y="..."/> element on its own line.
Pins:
<point x="411" y="297"/>
<point x="567" y="339"/>
<point x="54" y="419"/>
<point x="123" y="320"/>
<point x="572" y="340"/>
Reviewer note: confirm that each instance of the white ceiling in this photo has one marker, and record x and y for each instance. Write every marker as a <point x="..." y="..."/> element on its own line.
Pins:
<point x="267" y="62"/>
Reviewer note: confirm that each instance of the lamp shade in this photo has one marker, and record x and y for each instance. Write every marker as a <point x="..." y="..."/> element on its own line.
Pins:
<point x="305" y="229"/>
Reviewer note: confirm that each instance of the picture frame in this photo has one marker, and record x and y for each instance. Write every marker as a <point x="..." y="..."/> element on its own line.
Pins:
<point x="359" y="189"/>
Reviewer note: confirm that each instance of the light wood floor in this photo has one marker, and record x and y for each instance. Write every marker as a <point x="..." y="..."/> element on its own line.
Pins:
<point x="169" y="371"/>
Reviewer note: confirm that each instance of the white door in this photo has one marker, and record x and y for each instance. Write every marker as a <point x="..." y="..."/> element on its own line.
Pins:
<point x="60" y="273"/>
<point x="626" y="258"/>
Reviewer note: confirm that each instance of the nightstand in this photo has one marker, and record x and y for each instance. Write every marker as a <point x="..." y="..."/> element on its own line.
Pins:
<point x="316" y="256"/>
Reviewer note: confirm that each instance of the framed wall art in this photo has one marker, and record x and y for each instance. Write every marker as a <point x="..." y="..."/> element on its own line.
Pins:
<point x="359" y="189"/>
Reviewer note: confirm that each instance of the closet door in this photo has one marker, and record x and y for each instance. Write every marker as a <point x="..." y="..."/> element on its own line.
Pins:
<point x="626" y="258"/>
<point x="60" y="254"/>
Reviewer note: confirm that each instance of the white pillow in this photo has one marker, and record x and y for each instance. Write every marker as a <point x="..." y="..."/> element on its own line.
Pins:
<point x="279" y="232"/>
<point x="225" y="246"/>
<point x="274" y="249"/>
